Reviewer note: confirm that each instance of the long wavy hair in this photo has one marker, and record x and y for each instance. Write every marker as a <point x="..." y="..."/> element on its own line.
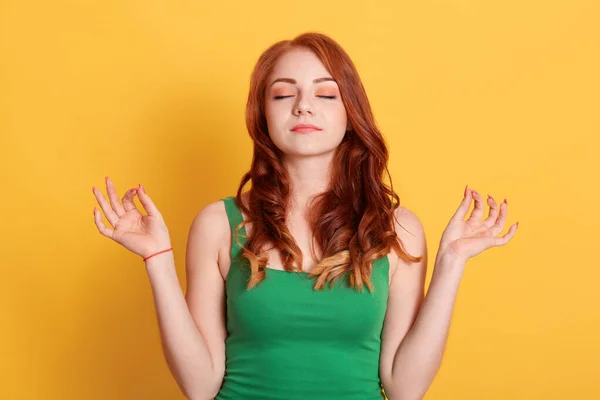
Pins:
<point x="353" y="220"/>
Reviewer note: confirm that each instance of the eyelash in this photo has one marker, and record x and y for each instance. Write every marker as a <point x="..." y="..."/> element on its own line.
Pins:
<point x="326" y="97"/>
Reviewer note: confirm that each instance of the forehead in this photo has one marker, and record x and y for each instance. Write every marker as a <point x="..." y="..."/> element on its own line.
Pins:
<point x="299" y="64"/>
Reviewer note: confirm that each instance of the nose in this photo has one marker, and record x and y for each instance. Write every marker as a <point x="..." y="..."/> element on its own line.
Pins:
<point x="303" y="106"/>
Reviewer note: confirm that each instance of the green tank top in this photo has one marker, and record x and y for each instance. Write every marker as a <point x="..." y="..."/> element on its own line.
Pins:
<point x="286" y="340"/>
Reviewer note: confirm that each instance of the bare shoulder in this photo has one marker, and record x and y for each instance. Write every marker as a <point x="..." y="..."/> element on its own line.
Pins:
<point x="210" y="232"/>
<point x="211" y="225"/>
<point x="406" y="293"/>
<point x="409" y="229"/>
<point x="407" y="223"/>
<point x="205" y="287"/>
<point x="212" y="212"/>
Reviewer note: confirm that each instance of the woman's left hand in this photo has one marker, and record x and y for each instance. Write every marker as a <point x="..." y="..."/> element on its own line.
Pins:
<point x="465" y="239"/>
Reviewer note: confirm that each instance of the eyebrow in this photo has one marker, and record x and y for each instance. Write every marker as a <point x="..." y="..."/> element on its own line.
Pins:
<point x="293" y="81"/>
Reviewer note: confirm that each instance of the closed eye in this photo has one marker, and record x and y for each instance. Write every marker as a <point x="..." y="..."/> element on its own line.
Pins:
<point x="283" y="97"/>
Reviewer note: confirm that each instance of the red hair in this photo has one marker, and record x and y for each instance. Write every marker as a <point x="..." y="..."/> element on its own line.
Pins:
<point x="353" y="220"/>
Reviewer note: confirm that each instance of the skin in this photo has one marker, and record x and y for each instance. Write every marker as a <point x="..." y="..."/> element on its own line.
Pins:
<point x="320" y="104"/>
<point x="306" y="156"/>
<point x="193" y="332"/>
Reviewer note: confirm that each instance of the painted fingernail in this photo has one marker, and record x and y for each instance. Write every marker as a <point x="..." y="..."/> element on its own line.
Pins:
<point x="505" y="202"/>
<point x="517" y="224"/>
<point x="491" y="197"/>
<point x="466" y="187"/>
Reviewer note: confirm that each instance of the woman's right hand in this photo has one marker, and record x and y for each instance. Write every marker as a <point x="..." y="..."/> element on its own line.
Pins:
<point x="142" y="234"/>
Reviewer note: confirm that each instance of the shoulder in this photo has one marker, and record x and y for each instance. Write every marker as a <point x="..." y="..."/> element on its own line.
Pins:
<point x="406" y="223"/>
<point x="406" y="293"/>
<point x="212" y="216"/>
<point x="210" y="226"/>
<point x="409" y="229"/>
<point x="209" y="237"/>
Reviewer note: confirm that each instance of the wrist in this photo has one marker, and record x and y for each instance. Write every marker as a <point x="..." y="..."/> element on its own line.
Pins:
<point x="161" y="251"/>
<point x="159" y="261"/>
<point x="449" y="264"/>
<point x="157" y="251"/>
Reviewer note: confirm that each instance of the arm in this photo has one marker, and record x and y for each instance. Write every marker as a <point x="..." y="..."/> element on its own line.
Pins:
<point x="416" y="326"/>
<point x="420" y="353"/>
<point x="422" y="340"/>
<point x="192" y="328"/>
<point x="405" y="300"/>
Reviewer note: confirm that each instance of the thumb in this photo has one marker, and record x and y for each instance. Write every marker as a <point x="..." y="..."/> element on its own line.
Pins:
<point x="464" y="206"/>
<point x="147" y="202"/>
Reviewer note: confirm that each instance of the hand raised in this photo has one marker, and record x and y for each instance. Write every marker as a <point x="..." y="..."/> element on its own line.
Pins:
<point x="141" y="234"/>
<point x="465" y="239"/>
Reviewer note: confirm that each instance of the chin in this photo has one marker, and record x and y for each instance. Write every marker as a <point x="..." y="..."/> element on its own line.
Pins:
<point x="309" y="145"/>
<point x="309" y="152"/>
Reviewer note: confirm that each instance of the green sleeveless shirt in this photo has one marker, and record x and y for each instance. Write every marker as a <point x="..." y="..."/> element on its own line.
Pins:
<point x="287" y="341"/>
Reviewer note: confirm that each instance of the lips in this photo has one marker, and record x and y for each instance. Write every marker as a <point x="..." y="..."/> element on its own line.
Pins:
<point x="305" y="128"/>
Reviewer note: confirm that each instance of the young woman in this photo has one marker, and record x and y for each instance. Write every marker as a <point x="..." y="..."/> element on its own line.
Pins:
<point x="310" y="285"/>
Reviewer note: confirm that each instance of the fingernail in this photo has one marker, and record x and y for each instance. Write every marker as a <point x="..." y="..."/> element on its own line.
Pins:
<point x="517" y="224"/>
<point x="505" y="202"/>
<point x="491" y="197"/>
<point x="474" y="191"/>
<point x="93" y="191"/>
<point x="142" y="188"/>
<point x="466" y="191"/>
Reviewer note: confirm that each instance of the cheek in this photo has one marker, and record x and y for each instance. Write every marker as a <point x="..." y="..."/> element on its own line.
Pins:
<point x="273" y="114"/>
<point x="340" y="114"/>
<point x="275" y="123"/>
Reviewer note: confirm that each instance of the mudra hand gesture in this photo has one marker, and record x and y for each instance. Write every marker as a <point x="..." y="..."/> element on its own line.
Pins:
<point x="142" y="234"/>
<point x="465" y="239"/>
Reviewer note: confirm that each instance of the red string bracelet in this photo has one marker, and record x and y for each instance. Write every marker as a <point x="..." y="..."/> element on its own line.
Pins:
<point x="160" y="252"/>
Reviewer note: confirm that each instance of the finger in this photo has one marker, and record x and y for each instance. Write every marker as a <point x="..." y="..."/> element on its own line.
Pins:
<point x="114" y="198"/>
<point x="501" y="241"/>
<point x="464" y="206"/>
<point x="501" y="220"/>
<point x="147" y="202"/>
<point x="493" y="215"/>
<point x="101" y="227"/>
<point x="478" y="209"/>
<point x="128" y="203"/>
<point x="110" y="214"/>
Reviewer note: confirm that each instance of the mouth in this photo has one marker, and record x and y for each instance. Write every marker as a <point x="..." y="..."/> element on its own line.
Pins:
<point x="305" y="128"/>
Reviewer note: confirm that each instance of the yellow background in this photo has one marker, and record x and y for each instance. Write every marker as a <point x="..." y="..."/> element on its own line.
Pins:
<point x="503" y="96"/>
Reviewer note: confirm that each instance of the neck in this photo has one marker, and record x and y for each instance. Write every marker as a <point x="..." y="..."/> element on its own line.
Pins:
<point x="309" y="176"/>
